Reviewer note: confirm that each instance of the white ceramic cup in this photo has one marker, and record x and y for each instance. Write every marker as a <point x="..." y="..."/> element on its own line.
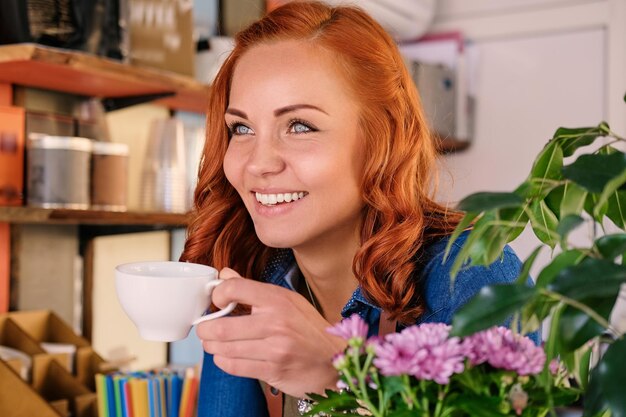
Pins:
<point x="165" y="299"/>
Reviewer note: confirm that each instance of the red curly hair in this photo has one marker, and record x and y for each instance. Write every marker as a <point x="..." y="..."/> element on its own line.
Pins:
<point x="400" y="215"/>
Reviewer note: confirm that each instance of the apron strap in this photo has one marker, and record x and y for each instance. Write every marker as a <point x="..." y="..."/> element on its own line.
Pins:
<point x="274" y="397"/>
<point x="385" y="324"/>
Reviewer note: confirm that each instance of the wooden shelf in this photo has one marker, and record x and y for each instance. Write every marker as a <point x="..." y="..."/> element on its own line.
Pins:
<point x="90" y="217"/>
<point x="84" y="74"/>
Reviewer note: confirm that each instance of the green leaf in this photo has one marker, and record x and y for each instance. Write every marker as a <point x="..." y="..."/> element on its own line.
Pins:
<point x="608" y="379"/>
<point x="554" y="199"/>
<point x="392" y="384"/>
<point x="495" y="239"/>
<point x="616" y="209"/>
<point x="572" y="139"/>
<point x="573" y="201"/>
<point x="484" y="201"/>
<point x="552" y="342"/>
<point x="539" y="308"/>
<point x="593" y="172"/>
<point x="584" y="365"/>
<point x="535" y="311"/>
<point x="479" y="406"/>
<point x="544" y="223"/>
<point x="490" y="307"/>
<point x="567" y="224"/>
<point x="611" y="246"/>
<point x="460" y="228"/>
<point x="609" y="191"/>
<point x="576" y="327"/>
<point x="513" y="216"/>
<point x="332" y="401"/>
<point x="589" y="279"/>
<point x="549" y="162"/>
<point x="528" y="263"/>
<point x="593" y="210"/>
<point x="474" y="240"/>
<point x="534" y="188"/>
<point x="561" y="261"/>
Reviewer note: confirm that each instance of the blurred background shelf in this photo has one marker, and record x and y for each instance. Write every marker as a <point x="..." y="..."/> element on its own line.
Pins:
<point x="450" y="145"/>
<point x="88" y="75"/>
<point x="29" y="215"/>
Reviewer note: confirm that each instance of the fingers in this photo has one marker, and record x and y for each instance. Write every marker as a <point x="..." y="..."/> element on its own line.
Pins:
<point x="251" y="349"/>
<point x="227" y="273"/>
<point x="246" y="291"/>
<point x="235" y="328"/>
<point x="246" y="368"/>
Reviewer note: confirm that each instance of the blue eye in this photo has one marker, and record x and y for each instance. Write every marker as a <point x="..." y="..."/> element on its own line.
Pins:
<point x="298" y="126"/>
<point x="238" y="129"/>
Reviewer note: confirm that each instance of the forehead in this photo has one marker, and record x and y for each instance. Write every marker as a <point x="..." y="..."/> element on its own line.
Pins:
<point x="289" y="70"/>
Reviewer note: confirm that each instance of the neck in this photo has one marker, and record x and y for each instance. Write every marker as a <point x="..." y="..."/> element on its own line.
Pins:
<point x="327" y="269"/>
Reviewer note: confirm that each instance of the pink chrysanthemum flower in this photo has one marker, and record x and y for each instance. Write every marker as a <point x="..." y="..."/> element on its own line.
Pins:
<point x="423" y="351"/>
<point x="555" y="366"/>
<point x="503" y="349"/>
<point x="350" y="328"/>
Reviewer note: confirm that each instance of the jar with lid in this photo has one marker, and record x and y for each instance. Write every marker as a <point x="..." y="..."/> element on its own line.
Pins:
<point x="58" y="171"/>
<point x="109" y="176"/>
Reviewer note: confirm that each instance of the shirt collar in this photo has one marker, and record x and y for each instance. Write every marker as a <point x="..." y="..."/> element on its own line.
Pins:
<point x="282" y="268"/>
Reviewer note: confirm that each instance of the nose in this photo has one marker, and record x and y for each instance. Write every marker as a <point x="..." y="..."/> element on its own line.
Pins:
<point x="265" y="158"/>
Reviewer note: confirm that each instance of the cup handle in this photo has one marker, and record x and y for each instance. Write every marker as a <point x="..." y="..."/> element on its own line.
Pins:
<point x="229" y="308"/>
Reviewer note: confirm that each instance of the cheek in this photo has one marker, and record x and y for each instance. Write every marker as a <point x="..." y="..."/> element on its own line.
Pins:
<point x="232" y="168"/>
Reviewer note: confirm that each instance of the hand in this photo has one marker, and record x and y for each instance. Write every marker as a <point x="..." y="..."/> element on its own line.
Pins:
<point x="282" y="342"/>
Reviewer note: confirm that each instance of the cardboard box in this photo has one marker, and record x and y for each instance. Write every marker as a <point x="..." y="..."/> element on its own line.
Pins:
<point x="46" y="326"/>
<point x="161" y="35"/>
<point x="17" y="398"/>
<point x="11" y="156"/>
<point x="13" y="336"/>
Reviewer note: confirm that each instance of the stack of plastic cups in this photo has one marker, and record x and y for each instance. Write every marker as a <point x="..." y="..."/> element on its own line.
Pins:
<point x="163" y="185"/>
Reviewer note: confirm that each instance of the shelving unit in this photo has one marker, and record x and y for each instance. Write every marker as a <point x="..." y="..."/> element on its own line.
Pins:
<point x="79" y="73"/>
<point x="118" y="85"/>
<point x="73" y="72"/>
<point x="29" y="215"/>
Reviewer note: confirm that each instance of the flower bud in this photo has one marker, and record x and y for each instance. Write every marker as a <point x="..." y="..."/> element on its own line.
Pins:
<point x="518" y="398"/>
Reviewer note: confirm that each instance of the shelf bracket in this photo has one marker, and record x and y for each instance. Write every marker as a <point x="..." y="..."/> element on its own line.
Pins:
<point x="116" y="103"/>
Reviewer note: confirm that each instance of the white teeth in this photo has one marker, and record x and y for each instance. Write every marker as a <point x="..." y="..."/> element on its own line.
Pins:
<point x="273" y="199"/>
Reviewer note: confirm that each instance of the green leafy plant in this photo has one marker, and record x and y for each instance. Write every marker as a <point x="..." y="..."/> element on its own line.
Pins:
<point x="577" y="181"/>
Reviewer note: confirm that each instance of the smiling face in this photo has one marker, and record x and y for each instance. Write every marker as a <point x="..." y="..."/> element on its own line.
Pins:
<point x="295" y="155"/>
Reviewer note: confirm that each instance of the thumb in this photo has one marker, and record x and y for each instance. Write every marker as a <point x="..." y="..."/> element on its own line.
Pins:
<point x="227" y="273"/>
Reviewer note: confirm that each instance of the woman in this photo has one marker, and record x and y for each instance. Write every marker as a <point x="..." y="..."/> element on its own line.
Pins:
<point x="316" y="184"/>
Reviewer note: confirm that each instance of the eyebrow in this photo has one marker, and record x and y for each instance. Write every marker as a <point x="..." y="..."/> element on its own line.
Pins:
<point x="277" y="112"/>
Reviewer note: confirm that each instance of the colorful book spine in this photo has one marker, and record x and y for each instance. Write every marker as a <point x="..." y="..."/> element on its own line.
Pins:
<point x="162" y="393"/>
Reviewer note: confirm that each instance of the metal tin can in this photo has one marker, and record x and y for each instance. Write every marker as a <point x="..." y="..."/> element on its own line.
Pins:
<point x="58" y="171"/>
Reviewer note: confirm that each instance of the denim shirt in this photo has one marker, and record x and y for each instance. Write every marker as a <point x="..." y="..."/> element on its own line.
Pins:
<point x="225" y="395"/>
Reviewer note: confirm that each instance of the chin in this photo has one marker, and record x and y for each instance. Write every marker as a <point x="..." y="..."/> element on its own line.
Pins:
<point x="276" y="243"/>
<point x="273" y="240"/>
